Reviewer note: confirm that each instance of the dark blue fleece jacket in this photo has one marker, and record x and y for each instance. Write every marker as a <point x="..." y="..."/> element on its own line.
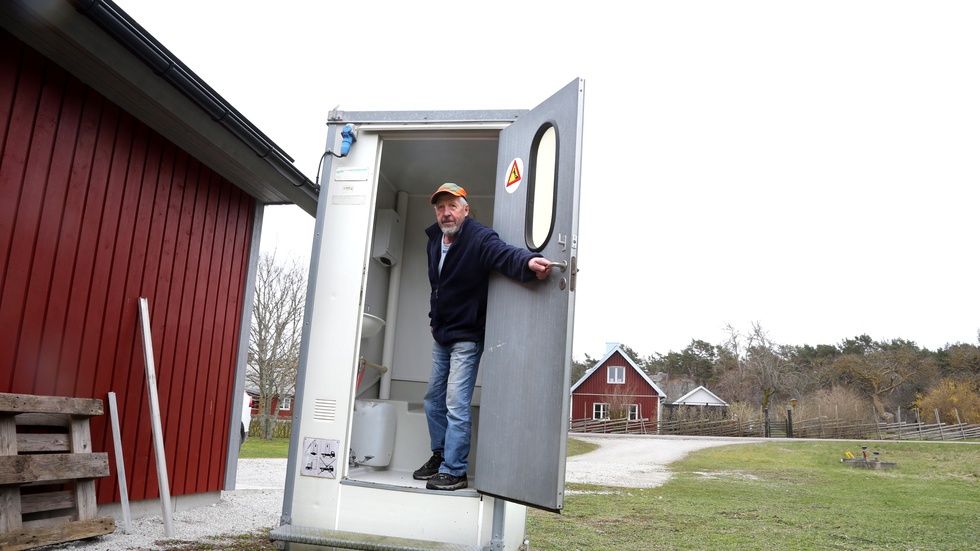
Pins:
<point x="458" y="303"/>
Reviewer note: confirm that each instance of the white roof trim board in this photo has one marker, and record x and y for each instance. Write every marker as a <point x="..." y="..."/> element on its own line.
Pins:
<point x="629" y="361"/>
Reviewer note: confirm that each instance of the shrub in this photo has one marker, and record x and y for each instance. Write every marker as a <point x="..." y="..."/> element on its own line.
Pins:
<point x="744" y="412"/>
<point x="950" y="397"/>
<point x="837" y="402"/>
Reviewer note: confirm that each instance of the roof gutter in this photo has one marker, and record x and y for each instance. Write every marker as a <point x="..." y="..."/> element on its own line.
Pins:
<point x="134" y="37"/>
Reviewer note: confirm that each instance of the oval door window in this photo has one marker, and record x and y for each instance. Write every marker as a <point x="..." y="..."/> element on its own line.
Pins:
<point x="542" y="187"/>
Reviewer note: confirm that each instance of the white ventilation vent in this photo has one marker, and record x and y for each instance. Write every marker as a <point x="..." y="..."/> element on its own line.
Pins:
<point x="325" y="410"/>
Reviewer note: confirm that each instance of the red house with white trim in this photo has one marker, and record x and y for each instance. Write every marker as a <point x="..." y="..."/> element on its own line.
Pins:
<point x="616" y="388"/>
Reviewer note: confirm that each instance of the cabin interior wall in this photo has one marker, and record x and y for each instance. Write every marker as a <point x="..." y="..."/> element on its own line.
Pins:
<point x="376" y="301"/>
<point x="413" y="340"/>
<point x="463" y="162"/>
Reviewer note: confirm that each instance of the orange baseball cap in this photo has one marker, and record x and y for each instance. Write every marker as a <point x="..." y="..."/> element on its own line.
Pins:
<point x="451" y="189"/>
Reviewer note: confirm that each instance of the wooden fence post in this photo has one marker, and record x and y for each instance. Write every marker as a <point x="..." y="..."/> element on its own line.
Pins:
<point x="960" y="423"/>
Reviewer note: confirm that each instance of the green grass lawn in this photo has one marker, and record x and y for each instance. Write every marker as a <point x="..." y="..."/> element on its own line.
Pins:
<point x="255" y="447"/>
<point x="785" y="496"/>
<point x="775" y="495"/>
<point x="578" y="447"/>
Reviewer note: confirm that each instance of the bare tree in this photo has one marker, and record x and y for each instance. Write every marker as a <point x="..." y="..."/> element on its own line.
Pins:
<point x="732" y="379"/>
<point x="274" y="341"/>
<point x="767" y="364"/>
<point x="620" y="400"/>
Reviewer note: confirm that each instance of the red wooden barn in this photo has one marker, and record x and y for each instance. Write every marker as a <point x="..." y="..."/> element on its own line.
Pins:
<point x="615" y="388"/>
<point x="122" y="175"/>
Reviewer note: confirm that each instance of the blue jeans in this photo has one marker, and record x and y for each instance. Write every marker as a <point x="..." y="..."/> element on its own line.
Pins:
<point x="447" y="402"/>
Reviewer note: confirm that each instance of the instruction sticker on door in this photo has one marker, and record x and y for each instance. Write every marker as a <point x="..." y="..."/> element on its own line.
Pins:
<point x="320" y="457"/>
<point x="514" y="175"/>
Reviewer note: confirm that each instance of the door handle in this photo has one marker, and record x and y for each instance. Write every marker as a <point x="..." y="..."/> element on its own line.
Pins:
<point x="562" y="266"/>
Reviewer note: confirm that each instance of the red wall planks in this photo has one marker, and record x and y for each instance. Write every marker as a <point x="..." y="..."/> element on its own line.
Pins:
<point x="97" y="210"/>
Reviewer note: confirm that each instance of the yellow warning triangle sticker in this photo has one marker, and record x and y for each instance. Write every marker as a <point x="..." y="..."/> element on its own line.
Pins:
<point x="515" y="174"/>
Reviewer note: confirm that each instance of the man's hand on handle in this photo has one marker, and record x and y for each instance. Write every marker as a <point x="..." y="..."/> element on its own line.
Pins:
<point x="541" y="266"/>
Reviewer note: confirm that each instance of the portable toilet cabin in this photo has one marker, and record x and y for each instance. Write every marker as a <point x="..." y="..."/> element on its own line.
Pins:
<point x="359" y="429"/>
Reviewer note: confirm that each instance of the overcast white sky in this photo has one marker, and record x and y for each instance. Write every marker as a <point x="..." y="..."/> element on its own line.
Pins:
<point x="813" y="166"/>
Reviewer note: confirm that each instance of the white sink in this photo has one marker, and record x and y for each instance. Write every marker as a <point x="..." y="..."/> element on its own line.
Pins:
<point x="370" y="325"/>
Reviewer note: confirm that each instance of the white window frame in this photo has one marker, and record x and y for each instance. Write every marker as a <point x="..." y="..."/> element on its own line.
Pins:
<point x="614" y="372"/>
<point x="634" y="414"/>
<point x="600" y="410"/>
<point x="286" y="404"/>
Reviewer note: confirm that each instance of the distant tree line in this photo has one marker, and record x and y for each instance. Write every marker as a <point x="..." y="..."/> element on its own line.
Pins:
<point x="858" y="378"/>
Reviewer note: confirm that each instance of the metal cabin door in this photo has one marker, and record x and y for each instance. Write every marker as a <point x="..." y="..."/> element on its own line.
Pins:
<point x="524" y="404"/>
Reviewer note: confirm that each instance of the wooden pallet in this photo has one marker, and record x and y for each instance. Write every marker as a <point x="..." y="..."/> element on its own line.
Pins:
<point x="48" y="471"/>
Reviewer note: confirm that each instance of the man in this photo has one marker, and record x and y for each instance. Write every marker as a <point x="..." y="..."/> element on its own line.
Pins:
<point x="461" y="253"/>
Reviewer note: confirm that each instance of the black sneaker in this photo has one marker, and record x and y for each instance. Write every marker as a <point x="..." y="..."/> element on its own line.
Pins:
<point x="446" y="481"/>
<point x="431" y="467"/>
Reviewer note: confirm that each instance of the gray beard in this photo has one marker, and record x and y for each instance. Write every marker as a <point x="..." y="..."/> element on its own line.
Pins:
<point x="449" y="232"/>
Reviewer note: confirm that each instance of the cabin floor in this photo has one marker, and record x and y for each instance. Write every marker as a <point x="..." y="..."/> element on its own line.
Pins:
<point x="400" y="480"/>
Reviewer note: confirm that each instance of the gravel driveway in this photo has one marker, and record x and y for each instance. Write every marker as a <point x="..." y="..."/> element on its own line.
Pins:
<point x="255" y="505"/>
<point x="623" y="461"/>
<point x="634" y="461"/>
